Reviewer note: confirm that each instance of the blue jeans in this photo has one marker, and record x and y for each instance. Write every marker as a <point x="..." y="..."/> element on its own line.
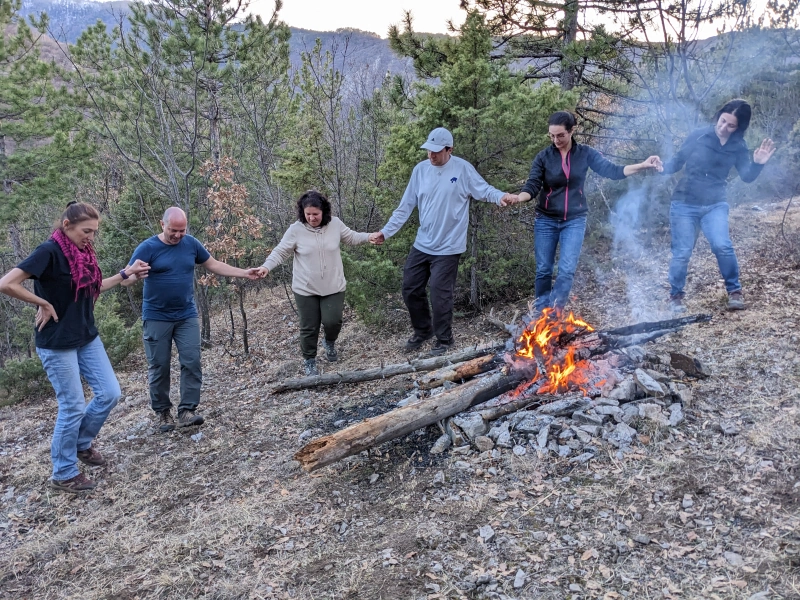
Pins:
<point x="77" y="423"/>
<point x="548" y="235"/>
<point x="686" y="221"/>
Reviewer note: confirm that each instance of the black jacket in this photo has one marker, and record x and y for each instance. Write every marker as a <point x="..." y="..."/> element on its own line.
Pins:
<point x="708" y="164"/>
<point x="560" y="195"/>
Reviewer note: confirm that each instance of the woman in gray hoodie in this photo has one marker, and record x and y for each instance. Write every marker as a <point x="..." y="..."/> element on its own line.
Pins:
<point x="318" y="279"/>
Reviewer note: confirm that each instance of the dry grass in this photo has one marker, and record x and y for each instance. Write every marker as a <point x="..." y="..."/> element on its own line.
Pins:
<point x="231" y="515"/>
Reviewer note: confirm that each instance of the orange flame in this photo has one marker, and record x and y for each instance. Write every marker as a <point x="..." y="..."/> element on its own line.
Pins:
<point x="537" y="338"/>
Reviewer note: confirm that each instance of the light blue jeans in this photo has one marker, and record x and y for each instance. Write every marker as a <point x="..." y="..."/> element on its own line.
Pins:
<point x="550" y="234"/>
<point x="77" y="423"/>
<point x="686" y="221"/>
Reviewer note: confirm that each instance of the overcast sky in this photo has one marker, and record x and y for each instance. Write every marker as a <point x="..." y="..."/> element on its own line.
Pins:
<point x="430" y="16"/>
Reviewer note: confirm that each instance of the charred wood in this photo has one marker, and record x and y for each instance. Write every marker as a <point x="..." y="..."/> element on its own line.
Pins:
<point x="426" y="364"/>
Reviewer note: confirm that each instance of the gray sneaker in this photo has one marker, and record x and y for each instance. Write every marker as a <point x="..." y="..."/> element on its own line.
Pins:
<point x="310" y="365"/>
<point x="736" y="300"/>
<point x="330" y="351"/>
<point x="187" y="418"/>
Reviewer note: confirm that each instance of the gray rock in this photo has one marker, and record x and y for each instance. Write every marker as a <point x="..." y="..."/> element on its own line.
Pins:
<point x="606" y="401"/>
<point x="441" y="444"/>
<point x="484" y="443"/>
<point x="564" y="451"/>
<point x="593" y="430"/>
<point x="519" y="450"/>
<point x="552" y="446"/>
<point x="734" y="559"/>
<point x="728" y="428"/>
<point x="581" y="458"/>
<point x="688" y="364"/>
<point x="541" y="439"/>
<point x="658" y="376"/>
<point x="675" y="414"/>
<point x="687" y="501"/>
<point x="340" y="423"/>
<point x="583" y="418"/>
<point x="654" y="413"/>
<point x="438" y="478"/>
<point x="612" y="411"/>
<point x="487" y="533"/>
<point x="647" y="384"/>
<point x="622" y="436"/>
<point x="539" y="536"/>
<point x="519" y="579"/>
<point x="462" y="450"/>
<point x="463" y="465"/>
<point x="472" y="424"/>
<point x="629" y="412"/>
<point x="408" y="400"/>
<point x="583" y="437"/>
<point x="504" y="439"/>
<point x="532" y="423"/>
<point x="374" y="477"/>
<point x="457" y="436"/>
<point x="306" y="435"/>
<point x="622" y="546"/>
<point x="635" y="353"/>
<point x="574" y="587"/>
<point x="197" y="436"/>
<point x="641" y="539"/>
<point x="625" y="391"/>
<point x="684" y="394"/>
<point x="497" y="430"/>
<point x="567" y="434"/>
<point x="564" y="407"/>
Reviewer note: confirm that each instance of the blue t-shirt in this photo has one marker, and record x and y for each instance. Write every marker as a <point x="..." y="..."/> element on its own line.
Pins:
<point x="169" y="287"/>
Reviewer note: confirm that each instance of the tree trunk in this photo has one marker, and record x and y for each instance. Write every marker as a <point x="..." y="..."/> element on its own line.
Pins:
<point x="427" y="364"/>
<point x="245" y="342"/>
<point x="201" y="294"/>
<point x="569" y="74"/>
<point x="399" y="422"/>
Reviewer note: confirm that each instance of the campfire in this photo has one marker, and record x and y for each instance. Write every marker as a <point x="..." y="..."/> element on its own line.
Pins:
<point x="557" y="380"/>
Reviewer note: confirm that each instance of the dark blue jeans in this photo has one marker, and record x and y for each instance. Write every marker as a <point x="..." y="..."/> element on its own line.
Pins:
<point x="548" y="235"/>
<point x="686" y="222"/>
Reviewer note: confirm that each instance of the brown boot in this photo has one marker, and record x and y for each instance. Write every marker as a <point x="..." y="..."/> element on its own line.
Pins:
<point x="76" y="485"/>
<point x="91" y="457"/>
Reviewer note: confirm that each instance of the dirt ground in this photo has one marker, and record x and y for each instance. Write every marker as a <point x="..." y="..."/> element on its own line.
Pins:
<point x="693" y="513"/>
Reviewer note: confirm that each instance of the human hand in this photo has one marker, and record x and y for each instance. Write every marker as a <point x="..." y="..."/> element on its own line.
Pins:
<point x="508" y="200"/>
<point x="253" y="273"/>
<point x="377" y="238"/>
<point x="764" y="152"/>
<point x="138" y="270"/>
<point x="653" y="162"/>
<point x="43" y="315"/>
<point x="262" y="272"/>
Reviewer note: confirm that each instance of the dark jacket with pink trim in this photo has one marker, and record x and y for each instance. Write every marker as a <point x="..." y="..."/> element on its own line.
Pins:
<point x="559" y="184"/>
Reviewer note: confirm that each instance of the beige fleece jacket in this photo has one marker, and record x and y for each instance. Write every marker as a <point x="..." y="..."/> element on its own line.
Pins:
<point x="318" y="269"/>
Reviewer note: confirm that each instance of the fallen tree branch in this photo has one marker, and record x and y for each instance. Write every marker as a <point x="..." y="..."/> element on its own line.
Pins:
<point x="460" y="371"/>
<point x="655" y="326"/>
<point x="401" y="421"/>
<point x="426" y="364"/>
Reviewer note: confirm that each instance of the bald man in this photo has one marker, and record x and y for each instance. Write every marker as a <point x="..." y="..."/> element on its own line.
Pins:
<point x="169" y="315"/>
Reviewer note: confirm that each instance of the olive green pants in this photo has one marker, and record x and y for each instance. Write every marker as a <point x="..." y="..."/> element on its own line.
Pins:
<point x="315" y="311"/>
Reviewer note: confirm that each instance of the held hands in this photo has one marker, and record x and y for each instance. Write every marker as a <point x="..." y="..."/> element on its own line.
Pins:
<point x="262" y="272"/>
<point x="43" y="315"/>
<point x="377" y="238"/>
<point x="764" y="152"/>
<point x="509" y="199"/>
<point x="138" y="270"/>
<point x="254" y="273"/>
<point x="653" y="162"/>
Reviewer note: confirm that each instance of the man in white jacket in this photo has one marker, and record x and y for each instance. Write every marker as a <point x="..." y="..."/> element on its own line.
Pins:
<point x="440" y="188"/>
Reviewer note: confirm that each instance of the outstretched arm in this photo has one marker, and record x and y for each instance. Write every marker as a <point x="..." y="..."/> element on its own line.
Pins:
<point x="653" y="162"/>
<point x="225" y="270"/>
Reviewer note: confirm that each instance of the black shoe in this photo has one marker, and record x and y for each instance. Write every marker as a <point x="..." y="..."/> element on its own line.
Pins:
<point x="310" y="366"/>
<point x="736" y="300"/>
<point x="441" y="347"/>
<point x="330" y="351"/>
<point x="416" y="340"/>
<point x="676" y="304"/>
<point x="187" y="418"/>
<point x="165" y="420"/>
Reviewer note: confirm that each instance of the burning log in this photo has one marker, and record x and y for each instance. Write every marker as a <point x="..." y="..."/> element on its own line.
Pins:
<point x="384" y="372"/>
<point x="401" y="421"/>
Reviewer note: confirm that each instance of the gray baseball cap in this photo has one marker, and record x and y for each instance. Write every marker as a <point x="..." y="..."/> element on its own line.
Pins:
<point x="438" y="139"/>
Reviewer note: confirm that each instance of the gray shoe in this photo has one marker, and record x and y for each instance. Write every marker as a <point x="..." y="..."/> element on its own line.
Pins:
<point x="310" y="365"/>
<point x="676" y="304"/>
<point x="330" y="351"/>
<point x="187" y="418"/>
<point x="736" y="300"/>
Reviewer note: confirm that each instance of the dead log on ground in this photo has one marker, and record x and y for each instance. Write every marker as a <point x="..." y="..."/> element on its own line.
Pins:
<point x="459" y="371"/>
<point x="401" y="421"/>
<point x="425" y="364"/>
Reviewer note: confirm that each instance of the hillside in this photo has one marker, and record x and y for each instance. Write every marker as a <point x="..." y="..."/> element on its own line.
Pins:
<point x="699" y="510"/>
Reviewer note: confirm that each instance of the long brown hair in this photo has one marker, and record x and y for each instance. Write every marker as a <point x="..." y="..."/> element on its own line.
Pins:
<point x="75" y="213"/>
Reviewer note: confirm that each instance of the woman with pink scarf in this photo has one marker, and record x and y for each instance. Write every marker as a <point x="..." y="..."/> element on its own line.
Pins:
<point x="67" y="282"/>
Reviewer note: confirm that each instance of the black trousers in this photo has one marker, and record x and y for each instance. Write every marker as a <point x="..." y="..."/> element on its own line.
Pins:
<point x="441" y="272"/>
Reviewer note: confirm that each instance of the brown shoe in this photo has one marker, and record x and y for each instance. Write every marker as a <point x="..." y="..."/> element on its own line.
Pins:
<point x="736" y="300"/>
<point x="165" y="421"/>
<point x="187" y="418"/>
<point x="76" y="485"/>
<point x="92" y="457"/>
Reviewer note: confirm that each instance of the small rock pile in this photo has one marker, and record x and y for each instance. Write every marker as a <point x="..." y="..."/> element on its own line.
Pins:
<point x="649" y="394"/>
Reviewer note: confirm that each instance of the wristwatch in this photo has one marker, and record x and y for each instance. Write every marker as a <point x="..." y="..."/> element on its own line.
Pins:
<point x="123" y="274"/>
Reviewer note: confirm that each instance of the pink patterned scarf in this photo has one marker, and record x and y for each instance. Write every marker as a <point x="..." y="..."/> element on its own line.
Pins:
<point x="83" y="265"/>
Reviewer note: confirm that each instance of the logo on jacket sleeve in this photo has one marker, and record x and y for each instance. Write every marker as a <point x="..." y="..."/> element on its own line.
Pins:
<point x="453" y="180"/>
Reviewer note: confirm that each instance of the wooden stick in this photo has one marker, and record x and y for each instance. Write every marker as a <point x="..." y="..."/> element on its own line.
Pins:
<point x="401" y="421"/>
<point x="457" y="372"/>
<point x="426" y="364"/>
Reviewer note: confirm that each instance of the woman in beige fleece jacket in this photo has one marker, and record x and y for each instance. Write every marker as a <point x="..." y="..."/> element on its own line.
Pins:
<point x="318" y="279"/>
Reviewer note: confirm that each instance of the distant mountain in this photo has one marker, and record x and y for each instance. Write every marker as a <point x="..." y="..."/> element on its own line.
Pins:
<point x="354" y="49"/>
